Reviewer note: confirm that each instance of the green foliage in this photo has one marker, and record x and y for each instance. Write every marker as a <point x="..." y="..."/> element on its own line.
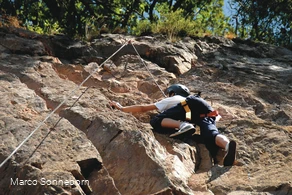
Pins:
<point x="263" y="20"/>
<point x="212" y="19"/>
<point x="35" y="16"/>
<point x="171" y="23"/>
<point x="143" y="27"/>
<point x="87" y="18"/>
<point x="207" y="21"/>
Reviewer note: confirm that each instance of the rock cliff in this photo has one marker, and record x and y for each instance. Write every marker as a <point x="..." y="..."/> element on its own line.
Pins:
<point x="55" y="91"/>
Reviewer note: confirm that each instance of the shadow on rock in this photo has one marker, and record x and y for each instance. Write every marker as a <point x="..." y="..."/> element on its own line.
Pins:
<point x="217" y="171"/>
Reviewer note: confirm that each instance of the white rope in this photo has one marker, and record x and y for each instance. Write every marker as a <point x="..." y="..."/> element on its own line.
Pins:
<point x="148" y="70"/>
<point x="71" y="93"/>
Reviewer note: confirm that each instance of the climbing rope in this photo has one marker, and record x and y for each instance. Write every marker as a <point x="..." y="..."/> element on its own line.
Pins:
<point x="55" y="125"/>
<point x="64" y="101"/>
<point x="71" y="94"/>
<point x="148" y="69"/>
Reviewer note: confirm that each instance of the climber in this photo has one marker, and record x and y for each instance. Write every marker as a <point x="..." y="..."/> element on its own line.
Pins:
<point x="175" y="114"/>
<point x="197" y="111"/>
<point x="176" y="93"/>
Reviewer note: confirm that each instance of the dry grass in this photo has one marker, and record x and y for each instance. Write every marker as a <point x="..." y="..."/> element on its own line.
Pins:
<point x="230" y="35"/>
<point x="9" y="21"/>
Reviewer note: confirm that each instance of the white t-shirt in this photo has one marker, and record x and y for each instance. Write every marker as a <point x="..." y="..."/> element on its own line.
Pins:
<point x="169" y="102"/>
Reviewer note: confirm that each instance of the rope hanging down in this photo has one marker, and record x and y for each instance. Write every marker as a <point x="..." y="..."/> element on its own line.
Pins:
<point x="147" y="69"/>
<point x="66" y="99"/>
<point x="71" y="93"/>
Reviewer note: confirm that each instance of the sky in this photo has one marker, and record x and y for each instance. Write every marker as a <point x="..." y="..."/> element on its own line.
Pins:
<point x="226" y="8"/>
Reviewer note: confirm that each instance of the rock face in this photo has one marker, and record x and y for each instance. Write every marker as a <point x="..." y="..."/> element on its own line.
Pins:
<point x="86" y="147"/>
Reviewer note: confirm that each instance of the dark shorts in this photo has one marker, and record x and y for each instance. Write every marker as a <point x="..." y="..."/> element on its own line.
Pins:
<point x="207" y="125"/>
<point x="177" y="113"/>
<point x="209" y="132"/>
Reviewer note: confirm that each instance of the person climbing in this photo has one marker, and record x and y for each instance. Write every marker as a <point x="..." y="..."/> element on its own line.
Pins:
<point x="196" y="110"/>
<point x="174" y="116"/>
<point x="176" y="94"/>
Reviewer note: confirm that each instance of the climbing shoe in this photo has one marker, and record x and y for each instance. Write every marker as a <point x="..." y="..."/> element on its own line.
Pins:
<point x="230" y="155"/>
<point x="184" y="127"/>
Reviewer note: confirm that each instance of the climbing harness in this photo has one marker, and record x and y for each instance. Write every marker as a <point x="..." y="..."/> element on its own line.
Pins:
<point x="210" y="114"/>
<point x="71" y="94"/>
<point x="187" y="109"/>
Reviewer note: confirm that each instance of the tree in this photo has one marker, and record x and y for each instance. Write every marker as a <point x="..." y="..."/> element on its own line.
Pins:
<point x="264" y="20"/>
<point x="181" y="18"/>
<point x="78" y="17"/>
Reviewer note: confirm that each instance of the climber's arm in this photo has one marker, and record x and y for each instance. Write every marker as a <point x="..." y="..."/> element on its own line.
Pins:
<point x="134" y="108"/>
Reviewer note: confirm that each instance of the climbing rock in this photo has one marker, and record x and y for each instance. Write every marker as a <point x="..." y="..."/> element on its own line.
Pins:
<point x="87" y="147"/>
